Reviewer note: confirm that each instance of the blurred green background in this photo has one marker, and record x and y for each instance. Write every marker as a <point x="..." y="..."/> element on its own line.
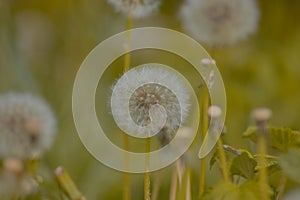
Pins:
<point x="42" y="44"/>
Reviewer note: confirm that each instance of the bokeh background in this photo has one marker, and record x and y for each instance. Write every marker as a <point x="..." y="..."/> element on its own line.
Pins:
<point x="43" y="43"/>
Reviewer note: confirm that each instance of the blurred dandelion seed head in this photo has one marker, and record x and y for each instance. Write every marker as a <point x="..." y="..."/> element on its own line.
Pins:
<point x="27" y="125"/>
<point x="135" y="8"/>
<point x="214" y="111"/>
<point x="146" y="96"/>
<point x="34" y="34"/>
<point x="220" y="22"/>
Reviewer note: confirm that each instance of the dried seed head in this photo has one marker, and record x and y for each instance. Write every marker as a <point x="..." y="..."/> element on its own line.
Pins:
<point x="150" y="99"/>
<point x="220" y="22"/>
<point x="27" y="125"/>
<point x="135" y="8"/>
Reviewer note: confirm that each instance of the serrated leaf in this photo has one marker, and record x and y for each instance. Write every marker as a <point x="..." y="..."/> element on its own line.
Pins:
<point x="235" y="151"/>
<point x="272" y="166"/>
<point x="290" y="163"/>
<point x="213" y="159"/>
<point x="243" y="165"/>
<point x="279" y="138"/>
<point x="221" y="191"/>
<point x="229" y="191"/>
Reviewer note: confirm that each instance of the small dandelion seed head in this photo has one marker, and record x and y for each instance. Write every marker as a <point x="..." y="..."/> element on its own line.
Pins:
<point x="135" y="8"/>
<point x="220" y="22"/>
<point x="208" y="61"/>
<point x="261" y="114"/>
<point x="150" y="98"/>
<point x="214" y="111"/>
<point x="27" y="125"/>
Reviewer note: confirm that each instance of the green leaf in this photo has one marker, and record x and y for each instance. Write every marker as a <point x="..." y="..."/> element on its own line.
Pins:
<point x="271" y="165"/>
<point x="221" y="191"/>
<point x="279" y="138"/>
<point x="213" y="159"/>
<point x="229" y="191"/>
<point x="290" y="163"/>
<point x="243" y="165"/>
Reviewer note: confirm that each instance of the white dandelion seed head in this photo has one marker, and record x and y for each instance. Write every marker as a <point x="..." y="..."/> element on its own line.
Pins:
<point x="149" y="99"/>
<point x="27" y="125"/>
<point x="135" y="8"/>
<point x="220" y="22"/>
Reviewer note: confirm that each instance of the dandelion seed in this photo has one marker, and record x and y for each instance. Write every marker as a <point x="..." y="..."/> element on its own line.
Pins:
<point x="220" y="22"/>
<point x="135" y="8"/>
<point x="27" y="125"/>
<point x="149" y="99"/>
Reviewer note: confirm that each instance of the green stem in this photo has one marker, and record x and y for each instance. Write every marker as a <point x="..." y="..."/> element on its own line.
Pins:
<point x="223" y="162"/>
<point x="204" y="124"/>
<point x="156" y="186"/>
<point x="147" y="175"/>
<point x="174" y="181"/>
<point x="126" y="189"/>
<point x="262" y="172"/>
<point x="281" y="187"/>
<point x="67" y="185"/>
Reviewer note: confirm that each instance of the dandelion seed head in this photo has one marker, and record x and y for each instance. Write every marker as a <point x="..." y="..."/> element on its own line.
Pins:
<point x="220" y="22"/>
<point x="150" y="97"/>
<point x="135" y="8"/>
<point x="27" y="125"/>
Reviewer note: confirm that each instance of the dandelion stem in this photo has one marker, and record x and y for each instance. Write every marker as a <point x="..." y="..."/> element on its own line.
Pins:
<point x="174" y="180"/>
<point x="281" y="187"/>
<point x="147" y="175"/>
<point x="126" y="191"/>
<point x="184" y="190"/>
<point x="127" y="55"/>
<point x="67" y="185"/>
<point x="263" y="176"/>
<point x="156" y="187"/>
<point x="204" y="125"/>
<point x="223" y="160"/>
